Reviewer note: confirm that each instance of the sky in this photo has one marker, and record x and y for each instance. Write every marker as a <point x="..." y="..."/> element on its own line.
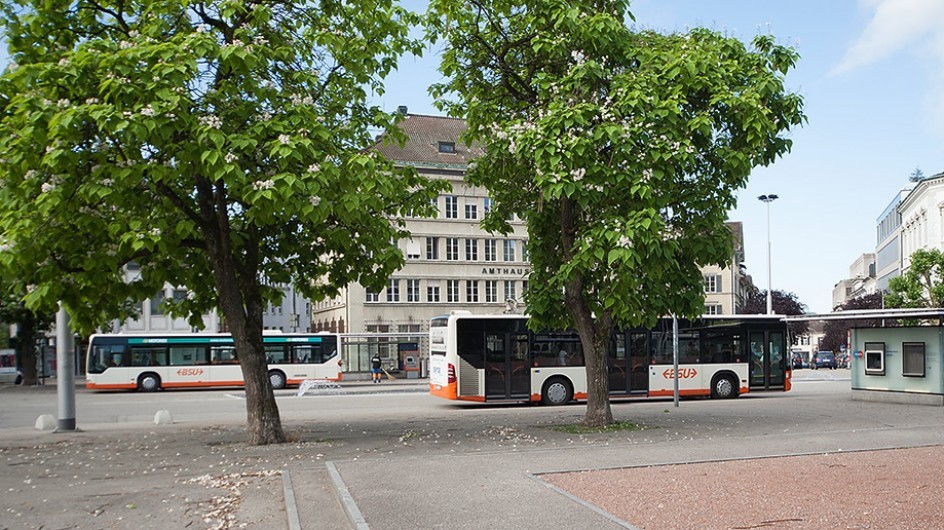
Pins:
<point x="871" y="73"/>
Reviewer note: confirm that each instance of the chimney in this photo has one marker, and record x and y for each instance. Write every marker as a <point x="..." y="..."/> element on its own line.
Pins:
<point x="402" y="110"/>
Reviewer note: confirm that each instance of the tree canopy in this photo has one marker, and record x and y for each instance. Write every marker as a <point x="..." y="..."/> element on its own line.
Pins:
<point x="782" y="302"/>
<point x="922" y="285"/>
<point x="221" y="145"/>
<point x="621" y="149"/>
<point x="835" y="331"/>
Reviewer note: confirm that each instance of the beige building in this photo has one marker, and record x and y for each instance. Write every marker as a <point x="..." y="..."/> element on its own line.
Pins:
<point x="451" y="262"/>
<point x="726" y="288"/>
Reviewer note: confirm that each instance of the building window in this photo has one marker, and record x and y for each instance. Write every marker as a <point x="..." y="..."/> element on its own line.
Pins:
<point x="472" y="249"/>
<point x="393" y="290"/>
<point x="412" y="290"/>
<point x="432" y="248"/>
<point x="712" y="283"/>
<point x="491" y="291"/>
<point x="471" y="211"/>
<point x="432" y="293"/>
<point x="510" y="290"/>
<point x="156" y="309"/>
<point x="713" y="309"/>
<point x="488" y="204"/>
<point x="452" y="290"/>
<point x="371" y="296"/>
<point x="447" y="147"/>
<point x="452" y="207"/>
<point x="874" y="358"/>
<point x="525" y="254"/>
<point x="509" y="249"/>
<point x="452" y="248"/>
<point x="912" y="359"/>
<point x="412" y="249"/>
<point x="491" y="253"/>
<point x="472" y="291"/>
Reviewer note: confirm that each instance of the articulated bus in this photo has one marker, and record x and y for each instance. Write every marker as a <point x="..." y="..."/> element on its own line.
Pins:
<point x="487" y="358"/>
<point x="153" y="362"/>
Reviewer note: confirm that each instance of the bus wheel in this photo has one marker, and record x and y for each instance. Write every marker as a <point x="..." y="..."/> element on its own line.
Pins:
<point x="277" y="379"/>
<point x="557" y="391"/>
<point x="149" y="382"/>
<point x="724" y="387"/>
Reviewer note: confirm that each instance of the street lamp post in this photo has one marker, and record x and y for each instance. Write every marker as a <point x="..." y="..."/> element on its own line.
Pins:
<point x="768" y="199"/>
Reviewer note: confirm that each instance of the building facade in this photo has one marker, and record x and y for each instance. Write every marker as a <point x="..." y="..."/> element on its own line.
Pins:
<point x="451" y="262"/>
<point x="922" y="218"/>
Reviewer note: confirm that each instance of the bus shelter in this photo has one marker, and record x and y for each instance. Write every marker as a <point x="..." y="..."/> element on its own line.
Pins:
<point x="897" y="355"/>
<point x="405" y="354"/>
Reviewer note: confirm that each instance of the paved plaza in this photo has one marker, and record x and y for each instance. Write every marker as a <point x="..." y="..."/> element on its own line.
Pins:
<point x="390" y="457"/>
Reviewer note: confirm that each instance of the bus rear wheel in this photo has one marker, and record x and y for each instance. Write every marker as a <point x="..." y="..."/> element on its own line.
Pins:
<point x="724" y="387"/>
<point x="277" y="379"/>
<point x="557" y="391"/>
<point x="149" y="382"/>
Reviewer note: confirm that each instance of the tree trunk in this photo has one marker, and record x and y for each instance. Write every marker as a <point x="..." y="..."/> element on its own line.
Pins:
<point x="262" y="412"/>
<point x="239" y="290"/>
<point x="26" y="344"/>
<point x="599" y="413"/>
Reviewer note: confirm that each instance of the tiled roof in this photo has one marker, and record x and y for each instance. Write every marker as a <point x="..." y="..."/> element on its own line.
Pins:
<point x="425" y="134"/>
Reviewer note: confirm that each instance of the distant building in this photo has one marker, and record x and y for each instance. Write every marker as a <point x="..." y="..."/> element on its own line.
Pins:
<point x="861" y="281"/>
<point x="922" y="217"/>
<point x="292" y="315"/>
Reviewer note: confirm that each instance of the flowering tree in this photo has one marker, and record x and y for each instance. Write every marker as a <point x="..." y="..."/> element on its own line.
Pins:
<point x="220" y="145"/>
<point x="622" y="151"/>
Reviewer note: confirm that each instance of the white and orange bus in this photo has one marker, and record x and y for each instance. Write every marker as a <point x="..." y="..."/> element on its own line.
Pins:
<point x="153" y="362"/>
<point x="488" y="358"/>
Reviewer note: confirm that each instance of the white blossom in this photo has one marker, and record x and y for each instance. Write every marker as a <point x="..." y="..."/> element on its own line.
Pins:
<point x="230" y="158"/>
<point x="315" y="200"/>
<point x="285" y="139"/>
<point x="107" y="182"/>
<point x="63" y="62"/>
<point x="91" y="101"/>
<point x="314" y="168"/>
<point x="578" y="173"/>
<point x="211" y="121"/>
<point x="134" y="34"/>
<point x="147" y="111"/>
<point x="203" y="28"/>
<point x="263" y="185"/>
<point x="31" y="174"/>
<point x="124" y="45"/>
<point x="47" y="187"/>
<point x="62" y="103"/>
<point x="156" y="232"/>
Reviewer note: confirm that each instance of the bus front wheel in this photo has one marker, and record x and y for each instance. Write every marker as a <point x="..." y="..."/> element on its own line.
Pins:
<point x="724" y="387"/>
<point x="277" y="379"/>
<point x="149" y="382"/>
<point x="557" y="391"/>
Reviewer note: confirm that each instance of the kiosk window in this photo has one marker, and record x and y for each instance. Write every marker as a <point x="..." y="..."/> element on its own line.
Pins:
<point x="875" y="358"/>
<point x="912" y="359"/>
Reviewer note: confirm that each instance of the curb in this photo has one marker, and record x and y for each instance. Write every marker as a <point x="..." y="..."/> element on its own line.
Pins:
<point x="353" y="513"/>
<point x="291" y="508"/>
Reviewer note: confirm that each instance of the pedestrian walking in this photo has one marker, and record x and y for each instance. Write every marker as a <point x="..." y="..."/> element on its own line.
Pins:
<point x="375" y="368"/>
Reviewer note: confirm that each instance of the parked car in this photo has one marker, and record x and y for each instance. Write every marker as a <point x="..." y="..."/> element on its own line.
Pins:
<point x="798" y="361"/>
<point x="824" y="359"/>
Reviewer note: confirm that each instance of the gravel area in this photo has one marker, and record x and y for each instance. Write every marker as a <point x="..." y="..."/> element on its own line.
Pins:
<point x="893" y="489"/>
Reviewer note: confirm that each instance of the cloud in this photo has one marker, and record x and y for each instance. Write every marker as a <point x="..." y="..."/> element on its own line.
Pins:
<point x="896" y="25"/>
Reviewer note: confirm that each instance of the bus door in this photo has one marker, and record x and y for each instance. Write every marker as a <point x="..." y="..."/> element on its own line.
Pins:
<point x="507" y="365"/>
<point x="628" y="364"/>
<point x="767" y="359"/>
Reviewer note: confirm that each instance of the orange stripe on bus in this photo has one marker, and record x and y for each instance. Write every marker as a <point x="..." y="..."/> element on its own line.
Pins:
<point x="450" y="391"/>
<point x="110" y="386"/>
<point x="687" y="393"/>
